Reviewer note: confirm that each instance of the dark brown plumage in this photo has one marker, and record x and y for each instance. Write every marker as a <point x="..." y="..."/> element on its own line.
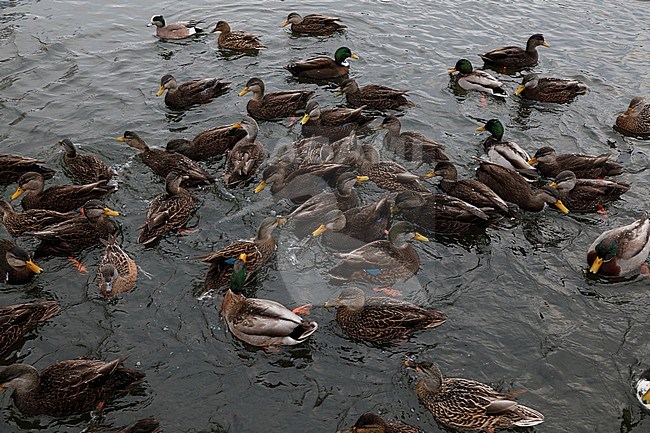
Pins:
<point x="636" y="119"/>
<point x="550" y="164"/>
<point x="236" y="40"/>
<point x="182" y="96"/>
<point x="246" y="156"/>
<point x="275" y="105"/>
<point x="16" y="265"/>
<point x="14" y="166"/>
<point x="17" y="223"/>
<point x="83" y="168"/>
<point x="412" y="146"/>
<point x="550" y="89"/>
<point x="372" y="423"/>
<point x="17" y="320"/>
<point x="388" y="175"/>
<point x="580" y="195"/>
<point x="333" y="123"/>
<point x="516" y="57"/>
<point x="117" y="272"/>
<point x="211" y="143"/>
<point x="373" y="96"/>
<point x="313" y="24"/>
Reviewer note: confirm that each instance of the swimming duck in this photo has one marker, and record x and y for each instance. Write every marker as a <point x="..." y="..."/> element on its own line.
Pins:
<point x="334" y="123"/>
<point x="16" y="265"/>
<point x="17" y="223"/>
<point x="373" y="96"/>
<point x="14" y="166"/>
<point x="117" y="272"/>
<point x="236" y="40"/>
<point x="505" y="153"/>
<point x="636" y="119"/>
<point x="261" y="322"/>
<point x="148" y="425"/>
<point x="388" y="175"/>
<point x="550" y="164"/>
<point x="516" y="57"/>
<point x="313" y="24"/>
<point x="199" y="91"/>
<point x="274" y="105"/>
<point x="550" y="89"/>
<point x="643" y="389"/>
<point x="162" y="162"/>
<point x="586" y="194"/>
<point x="17" y="320"/>
<point x="413" y="146"/>
<point x="465" y="404"/>
<point x="178" y="30"/>
<point x="68" y="387"/>
<point x="621" y="251"/>
<point x="213" y="142"/>
<point x="246" y="156"/>
<point x="381" y="319"/>
<point x="470" y="79"/>
<point x="384" y="261"/>
<point x="323" y="67"/>
<point x="373" y="423"/>
<point x="84" y="168"/>
<point x="60" y="198"/>
<point x="258" y="250"/>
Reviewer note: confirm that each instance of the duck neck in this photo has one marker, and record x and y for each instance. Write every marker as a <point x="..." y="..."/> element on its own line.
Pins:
<point x="27" y="381"/>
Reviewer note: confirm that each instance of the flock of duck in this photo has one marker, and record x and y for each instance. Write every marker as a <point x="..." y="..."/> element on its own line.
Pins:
<point x="318" y="173"/>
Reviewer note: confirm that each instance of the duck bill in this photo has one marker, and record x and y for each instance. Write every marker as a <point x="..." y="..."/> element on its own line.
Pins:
<point x="285" y="23"/>
<point x="160" y="91"/>
<point x="430" y="174"/>
<point x="595" y="266"/>
<point x="236" y="125"/>
<point x="244" y="91"/>
<point x="242" y="257"/>
<point x="646" y="397"/>
<point x="18" y="193"/>
<point x="452" y="70"/>
<point x="377" y="128"/>
<point x="481" y="128"/>
<point x="354" y="56"/>
<point x="121" y="139"/>
<point x="546" y="44"/>
<point x="393" y="209"/>
<point x="108" y="287"/>
<point x="553" y="184"/>
<point x="281" y="221"/>
<point x="520" y="89"/>
<point x="33" y="267"/>
<point x="304" y="119"/>
<point x="561" y="206"/>
<point x="419" y="237"/>
<point x="319" y="231"/>
<point x="110" y="212"/>
<point x="410" y="364"/>
<point x="532" y="161"/>
<point x="260" y="187"/>
<point x="339" y="92"/>
<point x="362" y="178"/>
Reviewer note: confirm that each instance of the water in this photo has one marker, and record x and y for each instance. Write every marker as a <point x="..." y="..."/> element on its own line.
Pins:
<point x="521" y="312"/>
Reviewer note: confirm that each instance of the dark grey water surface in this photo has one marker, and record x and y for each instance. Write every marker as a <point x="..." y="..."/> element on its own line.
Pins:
<point x="521" y="312"/>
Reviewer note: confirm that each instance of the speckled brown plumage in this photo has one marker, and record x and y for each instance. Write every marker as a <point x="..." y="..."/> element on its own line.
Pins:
<point x="17" y="223"/>
<point x="373" y="423"/>
<point x="17" y="320"/>
<point x="373" y="96"/>
<point x="236" y="40"/>
<point x="388" y="175"/>
<point x="554" y="90"/>
<point x="193" y="92"/>
<point x="313" y="24"/>
<point x="550" y="164"/>
<point x="14" y="166"/>
<point x="333" y="123"/>
<point x="636" y="119"/>
<point x="588" y="195"/>
<point x="275" y="105"/>
<point x="363" y="224"/>
<point x="211" y="143"/>
<point x="246" y="156"/>
<point x="117" y="272"/>
<point x="516" y="57"/>
<point x="83" y="169"/>
<point x="412" y="146"/>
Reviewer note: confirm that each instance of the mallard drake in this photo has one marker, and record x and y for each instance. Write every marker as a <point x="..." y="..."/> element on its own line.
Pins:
<point x="384" y="261"/>
<point x="516" y="57"/>
<point x="505" y="153"/>
<point x="148" y="425"/>
<point x="77" y="233"/>
<point x="17" y="320"/>
<point x="550" y="164"/>
<point x="333" y="123"/>
<point x="636" y="119"/>
<point x="513" y="188"/>
<point x="323" y="67"/>
<point x="16" y="265"/>
<point x="470" y="79"/>
<point x="199" y="91"/>
<point x="440" y="213"/>
<point x="14" y="166"/>
<point x="465" y="404"/>
<point x="550" y="89"/>
<point x="17" y="223"/>
<point x="274" y="105"/>
<point x="60" y="198"/>
<point x="388" y="175"/>
<point x="261" y="322"/>
<point x="178" y="30"/>
<point x="167" y="212"/>
<point x="84" y="168"/>
<point x="68" y="387"/>
<point x="373" y="96"/>
<point x="246" y="156"/>
<point x="236" y="40"/>
<point x="211" y="143"/>
<point x="621" y="251"/>
<point x="117" y="272"/>
<point x="373" y="423"/>
<point x="586" y="194"/>
<point x="162" y="162"/>
<point x="413" y="146"/>
<point x="643" y="389"/>
<point x="313" y="24"/>
<point x="258" y="250"/>
<point x="381" y="319"/>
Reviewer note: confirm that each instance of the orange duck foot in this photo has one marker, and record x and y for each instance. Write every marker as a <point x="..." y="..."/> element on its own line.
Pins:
<point x="303" y="309"/>
<point x="182" y="232"/>
<point x="77" y="264"/>
<point x="387" y="290"/>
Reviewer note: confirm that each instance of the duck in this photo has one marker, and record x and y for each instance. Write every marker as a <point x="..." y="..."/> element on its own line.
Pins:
<point x="384" y="261"/>
<point x="333" y="123"/>
<point x="117" y="272"/>
<point x="261" y="322"/>
<point x="323" y="67"/>
<point x="505" y="153"/>
<point x="586" y="194"/>
<point x="513" y="188"/>
<point x="274" y="105"/>
<point x="246" y="156"/>
<point x="379" y="319"/>
<point x="313" y="24"/>
<point x="636" y="119"/>
<point x="162" y="162"/>
<point x="17" y="223"/>
<point x="373" y="96"/>
<point x="68" y="387"/>
<point x="554" y="90"/>
<point x="83" y="168"/>
<point x="412" y="146"/>
<point x="465" y="404"/>
<point x="14" y="166"/>
<point x="211" y="143"/>
<point x="17" y="320"/>
<point x="178" y="30"/>
<point x="78" y="233"/>
<point x="258" y="251"/>
<point x="16" y="264"/>
<point x="185" y="95"/>
<point x="147" y="425"/>
<point x="620" y="251"/>
<point x="236" y="40"/>
<point x="60" y="198"/>
<point x="373" y="423"/>
<point x="516" y="57"/>
<point x="643" y="389"/>
<point x="388" y="175"/>
<point x="167" y="212"/>
<point x="470" y="79"/>
<point x="550" y="164"/>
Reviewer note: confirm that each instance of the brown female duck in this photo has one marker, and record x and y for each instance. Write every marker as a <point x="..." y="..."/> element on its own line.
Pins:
<point x="554" y="90"/>
<point x="413" y="146"/>
<point x="373" y="423"/>
<point x="323" y="67"/>
<point x="147" y="425"/>
<point x="17" y="223"/>
<point x="334" y="123"/>
<point x="373" y="96"/>
<point x="589" y="195"/>
<point x="117" y="272"/>
<point x="178" y="30"/>
<point x="14" y="166"/>
<point x="83" y="168"/>
<point x="236" y="40"/>
<point x="388" y="175"/>
<point x="313" y="24"/>
<point x="636" y="119"/>
<point x="274" y="105"/>
<point x="16" y="265"/>
<point x="17" y="320"/>
<point x="550" y="164"/>
<point x="516" y="57"/>
<point x="246" y="156"/>
<point x="199" y="91"/>
<point x="211" y="143"/>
